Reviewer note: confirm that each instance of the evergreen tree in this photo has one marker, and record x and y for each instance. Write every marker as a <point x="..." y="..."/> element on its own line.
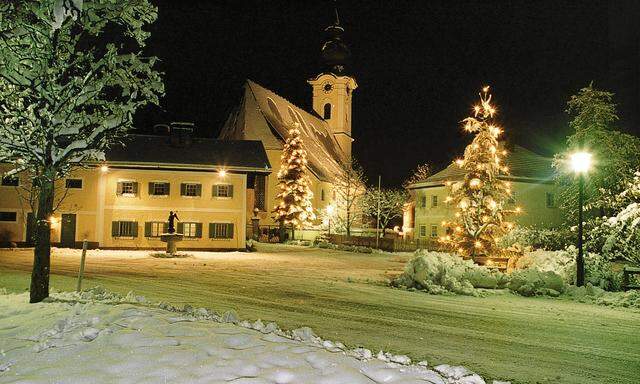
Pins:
<point x="480" y="197"/>
<point x="295" y="196"/>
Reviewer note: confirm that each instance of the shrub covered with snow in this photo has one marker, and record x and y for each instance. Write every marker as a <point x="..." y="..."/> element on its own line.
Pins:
<point x="533" y="282"/>
<point x="537" y="238"/>
<point x="595" y="295"/>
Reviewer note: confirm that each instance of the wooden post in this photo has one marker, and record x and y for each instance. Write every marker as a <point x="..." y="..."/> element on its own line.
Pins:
<point x="85" y="243"/>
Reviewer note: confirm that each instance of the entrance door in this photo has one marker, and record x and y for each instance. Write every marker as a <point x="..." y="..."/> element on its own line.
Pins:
<point x="68" y="230"/>
<point x="31" y="229"/>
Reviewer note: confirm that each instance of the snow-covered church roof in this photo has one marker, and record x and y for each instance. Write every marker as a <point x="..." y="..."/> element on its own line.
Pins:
<point x="263" y="115"/>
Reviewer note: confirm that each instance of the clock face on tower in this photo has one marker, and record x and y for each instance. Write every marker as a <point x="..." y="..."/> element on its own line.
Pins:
<point x="327" y="87"/>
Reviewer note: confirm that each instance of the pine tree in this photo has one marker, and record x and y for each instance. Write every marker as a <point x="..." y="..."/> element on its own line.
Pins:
<point x="480" y="197"/>
<point x="295" y="195"/>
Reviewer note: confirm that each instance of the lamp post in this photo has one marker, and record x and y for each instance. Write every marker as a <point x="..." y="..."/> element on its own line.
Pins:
<point x="581" y="163"/>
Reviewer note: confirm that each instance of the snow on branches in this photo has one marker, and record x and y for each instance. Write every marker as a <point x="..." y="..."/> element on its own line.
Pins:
<point x="294" y="199"/>
<point x="480" y="197"/>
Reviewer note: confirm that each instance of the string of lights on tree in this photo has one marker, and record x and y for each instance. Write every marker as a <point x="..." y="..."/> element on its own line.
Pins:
<point x="480" y="198"/>
<point x="294" y="199"/>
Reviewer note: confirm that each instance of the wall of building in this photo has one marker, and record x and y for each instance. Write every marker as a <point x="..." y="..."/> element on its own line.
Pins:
<point x="97" y="205"/>
<point x="531" y="197"/>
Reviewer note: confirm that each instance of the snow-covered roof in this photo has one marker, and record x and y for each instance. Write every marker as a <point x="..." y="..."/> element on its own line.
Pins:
<point x="240" y="155"/>
<point x="524" y="165"/>
<point x="263" y="115"/>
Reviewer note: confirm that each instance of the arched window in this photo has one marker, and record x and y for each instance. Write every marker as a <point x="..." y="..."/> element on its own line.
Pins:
<point x="327" y="111"/>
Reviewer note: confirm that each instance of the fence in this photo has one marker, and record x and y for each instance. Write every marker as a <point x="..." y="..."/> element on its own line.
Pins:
<point x="386" y="244"/>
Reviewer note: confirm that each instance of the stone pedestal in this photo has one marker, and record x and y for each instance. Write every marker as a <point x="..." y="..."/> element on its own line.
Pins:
<point x="255" y="228"/>
<point x="172" y="240"/>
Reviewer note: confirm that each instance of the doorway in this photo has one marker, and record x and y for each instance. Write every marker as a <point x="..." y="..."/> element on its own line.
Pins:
<point x="68" y="230"/>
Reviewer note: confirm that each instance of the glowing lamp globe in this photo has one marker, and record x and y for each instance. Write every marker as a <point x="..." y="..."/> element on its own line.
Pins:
<point x="581" y="162"/>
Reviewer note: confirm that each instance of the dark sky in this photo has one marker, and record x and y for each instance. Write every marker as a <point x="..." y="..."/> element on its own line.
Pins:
<point x="418" y="64"/>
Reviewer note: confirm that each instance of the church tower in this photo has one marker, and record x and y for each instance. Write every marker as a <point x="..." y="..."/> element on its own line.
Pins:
<point x="333" y="87"/>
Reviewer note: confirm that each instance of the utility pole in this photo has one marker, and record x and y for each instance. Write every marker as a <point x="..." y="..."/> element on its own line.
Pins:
<point x="378" y="214"/>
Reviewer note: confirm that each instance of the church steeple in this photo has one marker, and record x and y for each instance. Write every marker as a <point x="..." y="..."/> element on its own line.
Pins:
<point x="333" y="87"/>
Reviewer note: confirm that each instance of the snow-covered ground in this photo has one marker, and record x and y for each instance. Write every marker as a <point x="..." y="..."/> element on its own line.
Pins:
<point x="102" y="338"/>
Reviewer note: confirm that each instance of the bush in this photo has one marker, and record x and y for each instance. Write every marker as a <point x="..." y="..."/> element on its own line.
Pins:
<point x="532" y="282"/>
<point x="537" y="238"/>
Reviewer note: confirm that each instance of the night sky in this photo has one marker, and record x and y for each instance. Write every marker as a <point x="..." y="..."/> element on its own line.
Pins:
<point x="418" y="64"/>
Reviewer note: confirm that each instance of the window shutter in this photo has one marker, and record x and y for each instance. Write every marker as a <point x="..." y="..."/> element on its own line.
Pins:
<point x="211" y="230"/>
<point x="183" y="189"/>
<point x="180" y="228"/>
<point x="230" y="231"/>
<point x="198" y="230"/>
<point x="115" y="226"/>
<point x="135" y="188"/>
<point x="230" y="190"/>
<point x="134" y="229"/>
<point x="151" y="189"/>
<point x="147" y="229"/>
<point x="198" y="189"/>
<point x="167" y="188"/>
<point x="215" y="191"/>
<point x="119" y="188"/>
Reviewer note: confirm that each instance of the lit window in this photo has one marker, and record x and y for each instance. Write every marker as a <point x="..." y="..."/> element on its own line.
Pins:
<point x="124" y="229"/>
<point x="191" y="229"/>
<point x="434" y="201"/>
<point x="127" y="188"/>
<point x="190" y="189"/>
<point x="434" y="231"/>
<point x="322" y="195"/>
<point x="158" y="188"/>
<point x="73" y="183"/>
<point x="260" y="192"/>
<point x="8" y="216"/>
<point x="423" y="231"/>
<point x="223" y="190"/>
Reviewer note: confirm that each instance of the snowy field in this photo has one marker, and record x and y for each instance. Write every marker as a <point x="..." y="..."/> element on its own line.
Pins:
<point x="74" y="340"/>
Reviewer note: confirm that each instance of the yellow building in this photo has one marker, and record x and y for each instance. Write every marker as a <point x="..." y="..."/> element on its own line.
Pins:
<point x="125" y="201"/>
<point x="264" y="116"/>
<point x="532" y="185"/>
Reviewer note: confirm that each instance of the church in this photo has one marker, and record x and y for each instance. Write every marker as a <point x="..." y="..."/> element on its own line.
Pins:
<point x="263" y="115"/>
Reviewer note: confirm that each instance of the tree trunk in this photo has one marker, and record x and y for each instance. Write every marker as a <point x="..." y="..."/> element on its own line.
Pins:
<point x="42" y="252"/>
<point x="281" y="230"/>
<point x="348" y="224"/>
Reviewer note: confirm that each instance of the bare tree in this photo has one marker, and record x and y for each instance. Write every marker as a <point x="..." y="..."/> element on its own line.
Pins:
<point x="388" y="202"/>
<point x="419" y="174"/>
<point x="349" y="188"/>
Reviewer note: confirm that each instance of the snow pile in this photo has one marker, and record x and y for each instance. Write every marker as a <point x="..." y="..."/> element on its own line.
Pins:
<point x="438" y="273"/>
<point x="78" y="338"/>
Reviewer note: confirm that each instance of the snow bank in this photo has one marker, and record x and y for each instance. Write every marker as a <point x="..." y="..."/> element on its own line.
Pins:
<point x="80" y="338"/>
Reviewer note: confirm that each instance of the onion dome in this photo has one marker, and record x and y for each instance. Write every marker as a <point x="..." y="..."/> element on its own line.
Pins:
<point x="335" y="52"/>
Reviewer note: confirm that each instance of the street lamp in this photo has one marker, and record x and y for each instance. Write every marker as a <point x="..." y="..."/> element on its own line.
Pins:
<point x="330" y="211"/>
<point x="580" y="163"/>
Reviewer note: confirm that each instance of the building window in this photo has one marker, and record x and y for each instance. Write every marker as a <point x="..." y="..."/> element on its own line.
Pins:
<point x="260" y="192"/>
<point x="154" y="228"/>
<point x="551" y="200"/>
<point x="73" y="183"/>
<point x="423" y="201"/>
<point x="220" y="231"/>
<point x="10" y="181"/>
<point x="434" y="201"/>
<point x="223" y="190"/>
<point x="434" y="230"/>
<point x="159" y="188"/>
<point x="423" y="231"/>
<point x="322" y="195"/>
<point x="327" y="111"/>
<point x="127" y="188"/>
<point x="9" y="216"/>
<point x="124" y="229"/>
<point x="193" y="230"/>
<point x="191" y="189"/>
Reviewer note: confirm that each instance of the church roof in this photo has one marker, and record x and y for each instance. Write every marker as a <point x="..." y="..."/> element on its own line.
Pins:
<point x="524" y="165"/>
<point x="263" y="115"/>
<point x="144" y="150"/>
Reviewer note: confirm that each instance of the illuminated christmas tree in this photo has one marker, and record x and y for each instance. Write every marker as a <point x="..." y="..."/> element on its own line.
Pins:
<point x="294" y="198"/>
<point x="481" y="196"/>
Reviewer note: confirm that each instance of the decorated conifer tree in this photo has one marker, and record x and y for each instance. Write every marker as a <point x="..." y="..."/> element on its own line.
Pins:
<point x="294" y="198"/>
<point x="481" y="196"/>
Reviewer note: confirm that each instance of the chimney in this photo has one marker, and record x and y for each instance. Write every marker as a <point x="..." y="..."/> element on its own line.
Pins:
<point x="181" y="134"/>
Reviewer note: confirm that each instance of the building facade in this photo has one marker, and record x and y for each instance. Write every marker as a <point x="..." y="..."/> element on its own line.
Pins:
<point x="124" y="202"/>
<point x="533" y="190"/>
